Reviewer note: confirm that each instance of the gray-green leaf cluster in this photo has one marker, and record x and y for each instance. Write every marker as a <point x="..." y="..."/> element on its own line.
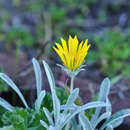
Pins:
<point x="64" y="113"/>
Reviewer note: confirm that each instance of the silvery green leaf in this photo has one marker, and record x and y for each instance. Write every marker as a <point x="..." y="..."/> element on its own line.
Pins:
<point x="104" y="90"/>
<point x="62" y="120"/>
<point x="103" y="94"/>
<point x="67" y="108"/>
<point x="72" y="97"/>
<point x="109" y="127"/>
<point x="85" y="122"/>
<point x="39" y="100"/>
<point x="38" y="75"/>
<point x="49" y="76"/>
<point x="56" y="106"/>
<point x="117" y="123"/>
<point x="116" y="117"/>
<point x="44" y="124"/>
<point x="79" y="127"/>
<point x="68" y="126"/>
<point x="52" y="128"/>
<point x="102" y="117"/>
<point x="56" y="102"/>
<point x="85" y="107"/>
<point x="109" y="107"/>
<point x="48" y="115"/>
<point x="13" y="86"/>
<point x="6" y="105"/>
<point x="74" y="124"/>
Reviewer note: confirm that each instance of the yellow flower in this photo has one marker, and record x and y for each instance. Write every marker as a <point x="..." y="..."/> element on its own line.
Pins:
<point x="73" y="53"/>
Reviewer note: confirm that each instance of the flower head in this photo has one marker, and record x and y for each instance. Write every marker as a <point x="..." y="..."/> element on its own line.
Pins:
<point x="73" y="53"/>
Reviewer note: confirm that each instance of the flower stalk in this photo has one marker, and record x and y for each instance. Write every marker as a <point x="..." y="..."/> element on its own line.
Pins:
<point x="71" y="84"/>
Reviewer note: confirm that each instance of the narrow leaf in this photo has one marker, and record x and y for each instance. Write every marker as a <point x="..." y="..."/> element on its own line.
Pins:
<point x="74" y="124"/>
<point x="85" y="107"/>
<point x="57" y="109"/>
<point x="72" y="97"/>
<point x="14" y="87"/>
<point x="56" y="102"/>
<point x="48" y="115"/>
<point x="109" y="107"/>
<point x="102" y="117"/>
<point x="38" y="75"/>
<point x="103" y="94"/>
<point x="6" y="105"/>
<point x="52" y="128"/>
<point x="115" y="117"/>
<point x="109" y="127"/>
<point x="85" y="122"/>
<point x="44" y="124"/>
<point x="117" y="123"/>
<point x="39" y="100"/>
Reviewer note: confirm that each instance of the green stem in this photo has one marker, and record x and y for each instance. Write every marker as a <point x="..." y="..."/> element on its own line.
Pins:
<point x="72" y="84"/>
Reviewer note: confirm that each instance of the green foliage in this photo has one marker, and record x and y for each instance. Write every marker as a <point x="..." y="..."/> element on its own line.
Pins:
<point x="35" y="6"/>
<point x="20" y="34"/>
<point x="2" y="110"/>
<point x="112" y="53"/>
<point x="28" y="119"/>
<point x="47" y="102"/>
<point x="17" y="118"/>
<point x="61" y="95"/>
<point x="60" y="13"/>
<point x="57" y="14"/>
<point x="23" y="119"/>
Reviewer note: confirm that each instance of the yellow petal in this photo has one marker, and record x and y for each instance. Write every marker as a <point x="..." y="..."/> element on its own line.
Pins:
<point x="70" y="44"/>
<point x="66" y="52"/>
<point x="59" y="47"/>
<point x="59" y="52"/>
<point x="79" y="50"/>
<point x="85" y="44"/>
<point x="81" y="59"/>
<point x="78" y="54"/>
<point x="64" y="45"/>
<point x="84" y="53"/>
<point x="75" y="44"/>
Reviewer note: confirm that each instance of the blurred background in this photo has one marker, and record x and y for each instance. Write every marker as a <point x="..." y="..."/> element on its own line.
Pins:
<point x="29" y="28"/>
